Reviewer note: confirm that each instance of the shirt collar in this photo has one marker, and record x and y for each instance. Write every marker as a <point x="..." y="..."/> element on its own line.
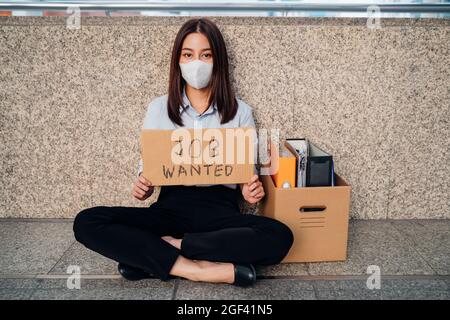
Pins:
<point x="187" y="105"/>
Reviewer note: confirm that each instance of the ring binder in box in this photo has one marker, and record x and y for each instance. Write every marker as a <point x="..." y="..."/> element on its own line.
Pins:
<point x="315" y="169"/>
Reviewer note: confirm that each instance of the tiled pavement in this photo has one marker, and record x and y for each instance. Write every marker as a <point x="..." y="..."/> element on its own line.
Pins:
<point x="413" y="256"/>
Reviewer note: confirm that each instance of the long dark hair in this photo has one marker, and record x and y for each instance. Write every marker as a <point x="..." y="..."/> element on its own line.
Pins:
<point x="222" y="93"/>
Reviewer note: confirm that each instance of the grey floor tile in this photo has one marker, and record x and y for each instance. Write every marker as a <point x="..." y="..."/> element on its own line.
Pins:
<point x="17" y="288"/>
<point x="411" y="294"/>
<point x="415" y="284"/>
<point x="349" y="295"/>
<point x="90" y="262"/>
<point x="264" y="289"/>
<point x="101" y="294"/>
<point x="412" y="289"/>
<point x="32" y="247"/>
<point x="401" y="294"/>
<point x="447" y="282"/>
<point x="283" y="269"/>
<point x="18" y="283"/>
<point x="113" y="283"/>
<point x="389" y="289"/>
<point x="385" y="284"/>
<point x="340" y="285"/>
<point x="375" y="243"/>
<point x="105" y="289"/>
<point x="431" y="239"/>
<point x="15" y="294"/>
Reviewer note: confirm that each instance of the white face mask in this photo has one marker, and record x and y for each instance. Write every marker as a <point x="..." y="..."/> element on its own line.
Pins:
<point x="197" y="73"/>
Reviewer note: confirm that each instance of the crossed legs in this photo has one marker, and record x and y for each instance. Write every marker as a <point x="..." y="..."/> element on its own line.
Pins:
<point x="141" y="237"/>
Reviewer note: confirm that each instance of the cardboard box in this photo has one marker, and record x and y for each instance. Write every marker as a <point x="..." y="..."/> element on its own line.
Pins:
<point x="198" y="156"/>
<point x="317" y="216"/>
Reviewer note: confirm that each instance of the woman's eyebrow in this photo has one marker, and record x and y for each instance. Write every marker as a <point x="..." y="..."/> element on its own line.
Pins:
<point x="205" y="49"/>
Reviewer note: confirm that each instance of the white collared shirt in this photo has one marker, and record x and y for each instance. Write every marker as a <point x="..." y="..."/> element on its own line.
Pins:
<point x="157" y="117"/>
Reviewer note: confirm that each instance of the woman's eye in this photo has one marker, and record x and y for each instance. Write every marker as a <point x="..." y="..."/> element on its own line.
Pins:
<point x="187" y="55"/>
<point x="207" y="55"/>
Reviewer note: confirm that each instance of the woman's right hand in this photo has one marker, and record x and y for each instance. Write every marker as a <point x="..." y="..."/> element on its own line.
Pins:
<point x="142" y="188"/>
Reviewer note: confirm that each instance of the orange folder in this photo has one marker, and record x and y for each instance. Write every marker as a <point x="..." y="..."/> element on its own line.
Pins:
<point x="286" y="168"/>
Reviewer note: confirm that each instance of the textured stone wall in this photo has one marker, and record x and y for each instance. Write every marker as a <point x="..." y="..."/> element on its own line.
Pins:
<point x="72" y="103"/>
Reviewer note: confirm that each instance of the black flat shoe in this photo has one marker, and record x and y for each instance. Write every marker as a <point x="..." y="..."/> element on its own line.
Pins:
<point x="244" y="275"/>
<point x="132" y="273"/>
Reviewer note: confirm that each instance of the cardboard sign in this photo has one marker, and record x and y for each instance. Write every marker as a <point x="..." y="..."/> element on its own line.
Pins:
<point x="198" y="156"/>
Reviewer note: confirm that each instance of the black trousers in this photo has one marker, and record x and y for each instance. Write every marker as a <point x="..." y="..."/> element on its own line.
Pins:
<point x="207" y="218"/>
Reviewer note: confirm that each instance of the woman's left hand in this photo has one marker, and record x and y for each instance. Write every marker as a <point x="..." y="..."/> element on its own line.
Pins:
<point x="253" y="191"/>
